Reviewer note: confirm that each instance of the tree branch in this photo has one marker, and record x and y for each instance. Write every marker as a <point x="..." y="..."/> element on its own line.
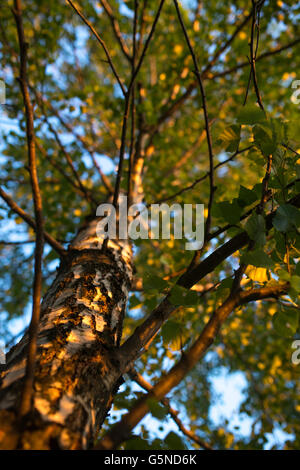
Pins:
<point x="254" y="48"/>
<point x="139" y="379"/>
<point x="177" y="104"/>
<point x="116" y="29"/>
<point x="30" y="221"/>
<point x="183" y="98"/>
<point x="102" y="43"/>
<point x="26" y="397"/>
<point x="242" y="65"/>
<point x="69" y="160"/>
<point x="144" y="333"/>
<point x="126" y="112"/>
<point x="122" y="430"/>
<point x="91" y="150"/>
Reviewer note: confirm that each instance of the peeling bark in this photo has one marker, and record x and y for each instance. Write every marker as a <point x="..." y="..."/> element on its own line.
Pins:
<point x="76" y="375"/>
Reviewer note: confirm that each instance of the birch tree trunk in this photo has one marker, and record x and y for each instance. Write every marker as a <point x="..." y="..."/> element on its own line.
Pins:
<point x="75" y="376"/>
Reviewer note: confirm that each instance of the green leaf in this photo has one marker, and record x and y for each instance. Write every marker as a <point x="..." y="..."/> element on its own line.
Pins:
<point x="151" y="302"/>
<point x="251" y="115"/>
<point x="246" y="196"/>
<point x="231" y="138"/>
<point x="286" y="217"/>
<point x="174" y="442"/>
<point x="256" y="228"/>
<point x="264" y="141"/>
<point x="170" y="331"/>
<point x="134" y="302"/>
<point x="229" y="211"/>
<point x="286" y="322"/>
<point x="224" y="288"/>
<point x="258" y="258"/>
<point x="283" y="275"/>
<point x="157" y="409"/>
<point x="281" y="221"/>
<point x="137" y="444"/>
<point x="226" y="283"/>
<point x="181" y="296"/>
<point x="295" y="283"/>
<point x="153" y="283"/>
<point x="278" y="158"/>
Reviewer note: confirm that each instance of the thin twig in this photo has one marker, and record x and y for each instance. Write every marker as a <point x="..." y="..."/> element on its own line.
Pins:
<point x="139" y="379"/>
<point x="147" y="43"/>
<point x="212" y="187"/>
<point x="202" y="178"/>
<point x="225" y="46"/>
<point x="246" y="214"/>
<point x="176" y="105"/>
<point x="90" y="149"/>
<point x="21" y="242"/>
<point x="126" y="113"/>
<point x="181" y="100"/>
<point x="30" y="221"/>
<point x="103" y="45"/>
<point x="116" y="29"/>
<point x="58" y="167"/>
<point x="84" y="190"/>
<point x="132" y="130"/>
<point x="27" y="392"/>
<point x="142" y="27"/>
<point x="253" y="50"/>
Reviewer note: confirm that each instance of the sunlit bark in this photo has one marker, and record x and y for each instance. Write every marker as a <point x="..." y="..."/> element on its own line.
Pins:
<point x="76" y="376"/>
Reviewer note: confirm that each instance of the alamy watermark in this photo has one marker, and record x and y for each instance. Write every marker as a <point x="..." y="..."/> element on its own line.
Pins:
<point x="156" y="221"/>
<point x="295" y="98"/>
<point x="296" y="353"/>
<point x="2" y="354"/>
<point x="2" y="92"/>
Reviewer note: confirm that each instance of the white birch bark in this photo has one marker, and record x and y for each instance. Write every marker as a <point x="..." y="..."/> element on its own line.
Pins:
<point x="81" y="324"/>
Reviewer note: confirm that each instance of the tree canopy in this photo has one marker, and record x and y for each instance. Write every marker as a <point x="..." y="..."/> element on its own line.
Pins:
<point x="203" y="96"/>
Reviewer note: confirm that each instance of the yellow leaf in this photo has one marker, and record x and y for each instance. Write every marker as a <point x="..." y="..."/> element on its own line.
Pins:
<point x="229" y="440"/>
<point x="286" y="76"/>
<point x="178" y="48"/>
<point x="272" y="311"/>
<point x="184" y="72"/>
<point x="150" y="150"/>
<point x="257" y="274"/>
<point x="175" y="91"/>
<point x="220" y="351"/>
<point x="196" y="26"/>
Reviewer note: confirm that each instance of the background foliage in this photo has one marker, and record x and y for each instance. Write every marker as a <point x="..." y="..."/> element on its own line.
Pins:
<point x="78" y="111"/>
